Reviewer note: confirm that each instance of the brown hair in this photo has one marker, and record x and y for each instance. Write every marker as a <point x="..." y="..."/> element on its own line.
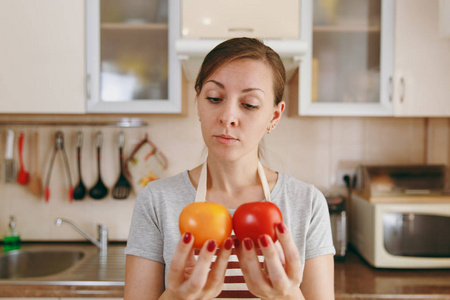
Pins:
<point x="239" y="48"/>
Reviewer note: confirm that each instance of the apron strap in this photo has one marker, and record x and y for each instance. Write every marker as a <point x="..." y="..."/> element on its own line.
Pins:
<point x="200" y="196"/>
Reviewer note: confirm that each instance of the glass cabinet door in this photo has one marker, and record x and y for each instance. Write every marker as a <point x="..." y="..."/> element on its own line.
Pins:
<point x="350" y="64"/>
<point x="130" y="65"/>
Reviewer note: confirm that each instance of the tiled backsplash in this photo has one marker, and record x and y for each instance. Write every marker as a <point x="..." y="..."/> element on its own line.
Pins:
<point x="309" y="148"/>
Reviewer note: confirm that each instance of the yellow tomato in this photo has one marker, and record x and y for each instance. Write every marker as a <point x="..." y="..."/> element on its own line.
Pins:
<point x="206" y="221"/>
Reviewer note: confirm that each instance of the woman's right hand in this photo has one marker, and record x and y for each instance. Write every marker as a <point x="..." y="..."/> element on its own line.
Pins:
<point x="190" y="278"/>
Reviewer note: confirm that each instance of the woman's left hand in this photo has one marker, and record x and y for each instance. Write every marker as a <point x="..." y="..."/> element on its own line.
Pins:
<point x="280" y="278"/>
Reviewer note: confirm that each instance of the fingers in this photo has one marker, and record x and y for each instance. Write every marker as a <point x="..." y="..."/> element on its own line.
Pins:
<point x="182" y="253"/>
<point x="275" y="269"/>
<point x="199" y="276"/>
<point x="217" y="273"/>
<point x="196" y="277"/>
<point x="251" y="266"/>
<point x="293" y="265"/>
<point x="282" y="265"/>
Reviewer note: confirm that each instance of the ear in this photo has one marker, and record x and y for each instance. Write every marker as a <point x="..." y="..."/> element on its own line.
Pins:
<point x="277" y="113"/>
<point x="196" y="106"/>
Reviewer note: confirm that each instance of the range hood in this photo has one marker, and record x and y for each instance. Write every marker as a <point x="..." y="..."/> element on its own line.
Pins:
<point x="191" y="53"/>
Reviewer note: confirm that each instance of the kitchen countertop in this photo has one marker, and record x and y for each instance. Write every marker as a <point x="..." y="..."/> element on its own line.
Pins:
<point x="355" y="279"/>
<point x="103" y="277"/>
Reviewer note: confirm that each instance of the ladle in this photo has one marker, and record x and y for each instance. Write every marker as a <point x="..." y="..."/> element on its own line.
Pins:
<point x="99" y="191"/>
<point x="80" y="190"/>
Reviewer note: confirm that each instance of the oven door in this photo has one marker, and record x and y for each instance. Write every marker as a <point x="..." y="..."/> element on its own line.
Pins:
<point x="416" y="234"/>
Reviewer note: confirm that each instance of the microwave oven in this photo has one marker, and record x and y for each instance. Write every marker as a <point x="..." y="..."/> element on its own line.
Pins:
<point x="407" y="233"/>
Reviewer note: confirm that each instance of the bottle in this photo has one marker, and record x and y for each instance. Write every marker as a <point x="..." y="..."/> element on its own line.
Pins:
<point x="12" y="239"/>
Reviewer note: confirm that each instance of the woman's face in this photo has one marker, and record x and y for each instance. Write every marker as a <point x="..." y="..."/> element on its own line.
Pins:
<point x="236" y="107"/>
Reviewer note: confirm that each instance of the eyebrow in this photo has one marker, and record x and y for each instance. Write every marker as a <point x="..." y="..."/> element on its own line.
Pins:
<point x="247" y="90"/>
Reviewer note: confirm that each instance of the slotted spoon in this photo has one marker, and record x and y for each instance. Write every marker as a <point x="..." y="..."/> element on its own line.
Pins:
<point x="121" y="189"/>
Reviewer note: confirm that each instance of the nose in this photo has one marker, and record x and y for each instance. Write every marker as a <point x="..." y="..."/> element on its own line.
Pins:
<point x="229" y="115"/>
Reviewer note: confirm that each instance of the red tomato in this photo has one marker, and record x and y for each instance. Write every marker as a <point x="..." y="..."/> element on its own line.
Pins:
<point x="253" y="219"/>
<point x="206" y="221"/>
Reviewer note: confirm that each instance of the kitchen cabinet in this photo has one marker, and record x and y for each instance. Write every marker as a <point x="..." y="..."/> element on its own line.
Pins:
<point x="77" y="57"/>
<point x="132" y="66"/>
<point x="375" y="58"/>
<point x="348" y="68"/>
<point x="422" y="61"/>
<point x="42" y="56"/>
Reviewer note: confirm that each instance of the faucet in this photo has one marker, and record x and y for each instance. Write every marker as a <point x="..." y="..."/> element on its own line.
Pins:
<point x="102" y="241"/>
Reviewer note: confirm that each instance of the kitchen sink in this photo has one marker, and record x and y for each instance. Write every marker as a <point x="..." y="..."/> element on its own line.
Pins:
<point x="37" y="262"/>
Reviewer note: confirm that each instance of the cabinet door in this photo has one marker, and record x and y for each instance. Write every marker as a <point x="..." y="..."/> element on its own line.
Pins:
<point x="42" y="56"/>
<point x="422" y="60"/>
<point x="131" y="61"/>
<point x="349" y="66"/>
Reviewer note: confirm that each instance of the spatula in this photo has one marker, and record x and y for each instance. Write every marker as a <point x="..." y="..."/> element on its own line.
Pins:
<point x="23" y="176"/>
<point x="8" y="165"/>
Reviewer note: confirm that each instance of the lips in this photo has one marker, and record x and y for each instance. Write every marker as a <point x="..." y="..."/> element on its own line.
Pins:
<point x="226" y="139"/>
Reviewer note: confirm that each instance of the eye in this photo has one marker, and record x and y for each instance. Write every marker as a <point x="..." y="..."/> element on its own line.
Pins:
<point x="249" y="106"/>
<point x="213" y="99"/>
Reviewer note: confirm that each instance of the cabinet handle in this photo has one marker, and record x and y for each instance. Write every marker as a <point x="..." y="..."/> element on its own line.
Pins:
<point x="390" y="88"/>
<point x="402" y="89"/>
<point x="88" y="86"/>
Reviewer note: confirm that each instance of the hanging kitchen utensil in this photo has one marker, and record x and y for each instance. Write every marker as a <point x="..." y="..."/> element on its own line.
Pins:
<point x="59" y="146"/>
<point x="23" y="176"/>
<point x="35" y="178"/>
<point x="80" y="190"/>
<point x="122" y="187"/>
<point x="146" y="163"/>
<point x="99" y="190"/>
<point x="8" y="164"/>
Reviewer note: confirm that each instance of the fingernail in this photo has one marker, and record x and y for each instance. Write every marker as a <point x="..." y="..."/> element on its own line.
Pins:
<point x="187" y="237"/>
<point x="228" y="244"/>
<point x="212" y="245"/>
<point x="263" y="241"/>
<point x="237" y="243"/>
<point x="281" y="228"/>
<point x="248" y="243"/>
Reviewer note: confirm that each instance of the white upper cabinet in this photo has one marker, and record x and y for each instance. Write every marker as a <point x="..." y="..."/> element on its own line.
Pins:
<point x="42" y="56"/>
<point x="208" y="19"/>
<point x="422" y="60"/>
<point x="348" y="67"/>
<point x="206" y="23"/>
<point x="132" y="66"/>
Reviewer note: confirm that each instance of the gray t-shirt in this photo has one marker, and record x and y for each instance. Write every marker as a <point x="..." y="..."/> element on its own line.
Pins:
<point x="154" y="232"/>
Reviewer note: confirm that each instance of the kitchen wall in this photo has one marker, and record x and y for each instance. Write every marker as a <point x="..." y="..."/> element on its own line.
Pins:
<point x="309" y="148"/>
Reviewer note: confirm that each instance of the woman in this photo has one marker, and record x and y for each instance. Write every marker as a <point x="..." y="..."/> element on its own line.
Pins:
<point x="239" y="99"/>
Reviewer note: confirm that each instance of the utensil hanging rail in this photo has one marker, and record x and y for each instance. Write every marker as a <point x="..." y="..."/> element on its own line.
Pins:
<point x="123" y="123"/>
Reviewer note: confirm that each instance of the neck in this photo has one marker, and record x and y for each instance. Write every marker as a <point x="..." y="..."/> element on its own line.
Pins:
<point x="231" y="176"/>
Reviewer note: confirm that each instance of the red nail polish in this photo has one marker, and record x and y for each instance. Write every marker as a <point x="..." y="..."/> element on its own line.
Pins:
<point x="237" y="243"/>
<point x="248" y="243"/>
<point x="212" y="245"/>
<point x="228" y="244"/>
<point x="281" y="228"/>
<point x="187" y="237"/>
<point x="263" y="241"/>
